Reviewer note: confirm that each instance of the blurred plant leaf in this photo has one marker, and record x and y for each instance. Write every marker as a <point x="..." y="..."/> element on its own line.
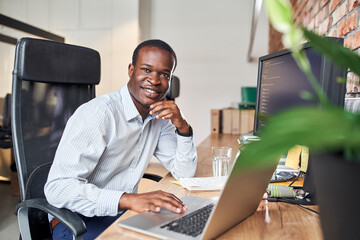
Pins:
<point x="328" y="129"/>
<point x="343" y="56"/>
<point x="280" y="14"/>
<point x="308" y="96"/>
<point x="341" y="80"/>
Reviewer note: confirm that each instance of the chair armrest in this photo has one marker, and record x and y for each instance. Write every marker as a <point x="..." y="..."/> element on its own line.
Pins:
<point x="67" y="217"/>
<point x="153" y="177"/>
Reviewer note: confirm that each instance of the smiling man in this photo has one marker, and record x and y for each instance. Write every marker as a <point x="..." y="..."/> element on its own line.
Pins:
<point x="108" y="143"/>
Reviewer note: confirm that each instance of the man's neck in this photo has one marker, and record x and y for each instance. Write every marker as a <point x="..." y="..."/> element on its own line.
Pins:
<point x="143" y="111"/>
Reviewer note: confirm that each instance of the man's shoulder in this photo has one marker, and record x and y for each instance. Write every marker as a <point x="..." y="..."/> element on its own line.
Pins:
<point x="103" y="103"/>
<point x="109" y="99"/>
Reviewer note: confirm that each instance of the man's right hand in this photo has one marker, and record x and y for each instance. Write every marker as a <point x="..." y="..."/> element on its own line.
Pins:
<point x="151" y="201"/>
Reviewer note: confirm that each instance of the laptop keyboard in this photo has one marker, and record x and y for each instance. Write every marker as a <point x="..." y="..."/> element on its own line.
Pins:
<point x="192" y="224"/>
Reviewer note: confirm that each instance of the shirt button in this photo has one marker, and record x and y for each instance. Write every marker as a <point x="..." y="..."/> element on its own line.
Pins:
<point x="139" y="150"/>
<point x="131" y="169"/>
<point x="107" y="213"/>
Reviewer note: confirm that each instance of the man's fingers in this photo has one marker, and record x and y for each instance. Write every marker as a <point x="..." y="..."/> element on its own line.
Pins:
<point x="161" y="103"/>
<point x="160" y="108"/>
<point x="169" y="201"/>
<point x="166" y="115"/>
<point x="160" y="203"/>
<point x="153" y="201"/>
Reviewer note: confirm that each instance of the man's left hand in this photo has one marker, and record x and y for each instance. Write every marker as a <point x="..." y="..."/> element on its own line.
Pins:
<point x="169" y="110"/>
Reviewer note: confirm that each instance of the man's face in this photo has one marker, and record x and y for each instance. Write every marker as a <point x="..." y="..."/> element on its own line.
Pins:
<point x="149" y="78"/>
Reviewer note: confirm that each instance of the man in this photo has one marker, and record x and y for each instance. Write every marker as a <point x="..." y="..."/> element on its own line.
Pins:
<point x="108" y="143"/>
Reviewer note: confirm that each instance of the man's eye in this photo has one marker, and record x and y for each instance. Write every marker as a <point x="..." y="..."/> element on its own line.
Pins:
<point x="166" y="76"/>
<point x="145" y="70"/>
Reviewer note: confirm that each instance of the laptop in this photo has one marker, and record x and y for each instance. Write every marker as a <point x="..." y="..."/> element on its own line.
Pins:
<point x="239" y="199"/>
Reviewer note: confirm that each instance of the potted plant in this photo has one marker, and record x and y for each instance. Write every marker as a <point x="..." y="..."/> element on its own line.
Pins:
<point x="331" y="132"/>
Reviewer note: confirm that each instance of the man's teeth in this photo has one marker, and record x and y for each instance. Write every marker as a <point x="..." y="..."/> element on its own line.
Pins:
<point x="150" y="91"/>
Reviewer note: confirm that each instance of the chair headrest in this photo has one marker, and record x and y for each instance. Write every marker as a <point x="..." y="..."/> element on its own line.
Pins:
<point x="53" y="62"/>
<point x="174" y="88"/>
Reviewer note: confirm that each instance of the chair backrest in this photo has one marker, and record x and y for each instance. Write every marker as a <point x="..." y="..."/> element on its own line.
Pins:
<point x="174" y="88"/>
<point x="50" y="80"/>
<point x="6" y="112"/>
<point x="5" y="131"/>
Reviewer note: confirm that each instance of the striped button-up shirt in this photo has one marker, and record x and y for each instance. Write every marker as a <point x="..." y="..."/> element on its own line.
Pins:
<point x="104" y="151"/>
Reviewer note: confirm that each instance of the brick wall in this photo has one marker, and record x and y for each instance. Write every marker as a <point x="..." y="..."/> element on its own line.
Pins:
<point x="335" y="18"/>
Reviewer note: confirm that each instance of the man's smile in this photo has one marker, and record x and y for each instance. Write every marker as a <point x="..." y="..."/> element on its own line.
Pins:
<point x="151" y="93"/>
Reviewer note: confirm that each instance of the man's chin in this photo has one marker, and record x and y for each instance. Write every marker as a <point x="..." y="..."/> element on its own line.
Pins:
<point x="148" y="101"/>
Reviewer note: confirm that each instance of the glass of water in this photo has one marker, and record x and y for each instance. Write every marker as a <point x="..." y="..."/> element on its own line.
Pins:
<point x="221" y="160"/>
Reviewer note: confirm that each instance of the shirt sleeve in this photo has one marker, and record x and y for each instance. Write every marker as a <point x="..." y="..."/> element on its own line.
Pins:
<point x="177" y="153"/>
<point x="80" y="148"/>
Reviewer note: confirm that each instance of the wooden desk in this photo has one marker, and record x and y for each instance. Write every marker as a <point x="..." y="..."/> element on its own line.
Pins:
<point x="270" y="221"/>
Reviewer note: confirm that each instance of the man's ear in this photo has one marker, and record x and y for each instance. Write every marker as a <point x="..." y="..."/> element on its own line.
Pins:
<point x="130" y="70"/>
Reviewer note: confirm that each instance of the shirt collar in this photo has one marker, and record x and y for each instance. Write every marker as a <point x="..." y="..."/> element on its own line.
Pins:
<point x="130" y="109"/>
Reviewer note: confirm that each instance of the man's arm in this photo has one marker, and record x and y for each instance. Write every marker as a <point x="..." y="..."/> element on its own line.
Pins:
<point x="154" y="201"/>
<point x="78" y="154"/>
<point x="176" y="151"/>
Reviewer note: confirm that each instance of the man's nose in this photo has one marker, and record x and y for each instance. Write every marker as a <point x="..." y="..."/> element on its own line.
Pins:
<point x="154" y="78"/>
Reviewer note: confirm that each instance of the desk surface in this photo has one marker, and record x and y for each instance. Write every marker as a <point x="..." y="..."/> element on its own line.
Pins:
<point x="270" y="221"/>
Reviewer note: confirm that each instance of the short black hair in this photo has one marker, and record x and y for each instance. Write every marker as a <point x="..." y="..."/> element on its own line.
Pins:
<point x="153" y="43"/>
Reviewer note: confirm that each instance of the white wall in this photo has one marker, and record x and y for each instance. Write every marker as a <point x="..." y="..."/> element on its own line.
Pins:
<point x="108" y="26"/>
<point x="211" y="39"/>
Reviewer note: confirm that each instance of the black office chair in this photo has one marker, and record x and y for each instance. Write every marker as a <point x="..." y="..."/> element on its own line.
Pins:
<point x="5" y="129"/>
<point x="50" y="80"/>
<point x="174" y="88"/>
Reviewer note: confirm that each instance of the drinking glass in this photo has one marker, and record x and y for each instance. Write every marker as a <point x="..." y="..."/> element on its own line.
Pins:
<point x="221" y="160"/>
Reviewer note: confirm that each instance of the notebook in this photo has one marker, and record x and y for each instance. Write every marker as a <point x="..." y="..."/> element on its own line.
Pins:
<point x="238" y="200"/>
<point x="198" y="184"/>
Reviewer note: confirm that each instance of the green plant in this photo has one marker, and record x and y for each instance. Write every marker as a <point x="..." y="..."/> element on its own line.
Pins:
<point x="328" y="129"/>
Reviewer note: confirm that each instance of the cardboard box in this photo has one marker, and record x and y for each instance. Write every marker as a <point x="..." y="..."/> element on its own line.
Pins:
<point x="215" y="125"/>
<point x="227" y="120"/>
<point x="246" y="120"/>
<point x="235" y="122"/>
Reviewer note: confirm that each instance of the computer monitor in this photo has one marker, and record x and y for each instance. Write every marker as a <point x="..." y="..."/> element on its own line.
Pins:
<point x="280" y="82"/>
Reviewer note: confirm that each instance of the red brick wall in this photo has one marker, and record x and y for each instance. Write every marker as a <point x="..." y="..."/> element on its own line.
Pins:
<point x="335" y="18"/>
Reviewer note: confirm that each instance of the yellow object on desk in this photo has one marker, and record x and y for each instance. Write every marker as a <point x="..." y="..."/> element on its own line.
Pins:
<point x="304" y="159"/>
<point x="176" y="183"/>
<point x="293" y="157"/>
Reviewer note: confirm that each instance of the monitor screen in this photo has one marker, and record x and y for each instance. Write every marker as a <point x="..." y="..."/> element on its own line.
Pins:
<point x="280" y="82"/>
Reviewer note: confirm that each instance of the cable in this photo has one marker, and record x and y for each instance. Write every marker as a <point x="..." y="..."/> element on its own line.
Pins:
<point x="297" y="177"/>
<point x="290" y="201"/>
<point x="300" y="205"/>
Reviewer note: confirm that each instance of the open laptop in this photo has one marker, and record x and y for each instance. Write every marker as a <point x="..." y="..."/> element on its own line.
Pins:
<point x="239" y="199"/>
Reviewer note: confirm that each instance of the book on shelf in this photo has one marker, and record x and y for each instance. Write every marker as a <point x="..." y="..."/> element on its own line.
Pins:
<point x="246" y="120"/>
<point x="232" y="120"/>
<point x="235" y="121"/>
<point x="227" y="120"/>
<point x="216" y="115"/>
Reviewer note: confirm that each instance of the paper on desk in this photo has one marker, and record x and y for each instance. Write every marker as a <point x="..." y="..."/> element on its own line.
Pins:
<point x="203" y="183"/>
